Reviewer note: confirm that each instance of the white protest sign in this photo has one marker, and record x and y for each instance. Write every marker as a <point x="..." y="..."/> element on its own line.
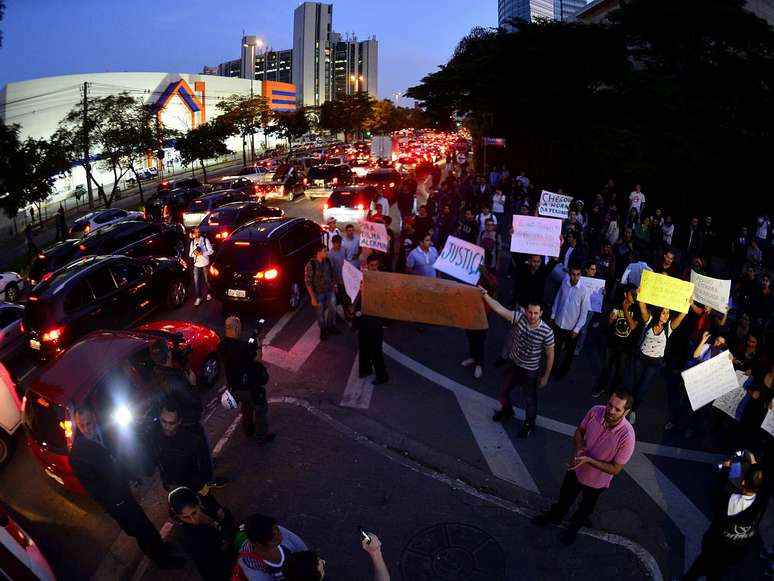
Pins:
<point x="352" y="279"/>
<point x="712" y="292"/>
<point x="768" y="422"/>
<point x="596" y="289"/>
<point x="709" y="380"/>
<point x="554" y="205"/>
<point x="374" y="235"/>
<point x="731" y="403"/>
<point x="533" y="235"/>
<point x="460" y="259"/>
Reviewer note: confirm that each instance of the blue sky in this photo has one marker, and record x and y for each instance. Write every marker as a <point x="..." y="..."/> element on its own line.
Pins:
<point x="57" y="37"/>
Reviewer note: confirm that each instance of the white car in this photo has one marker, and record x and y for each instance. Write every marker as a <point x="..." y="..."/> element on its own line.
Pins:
<point x="11" y="286"/>
<point x="11" y="337"/>
<point x="96" y="220"/>
<point x="10" y="416"/>
<point x="349" y="205"/>
<point x="20" y="557"/>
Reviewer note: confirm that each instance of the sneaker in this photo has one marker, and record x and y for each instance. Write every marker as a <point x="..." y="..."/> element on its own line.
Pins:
<point x="546" y="518"/>
<point x="632" y="417"/>
<point x="267" y="439"/>
<point x="467" y="362"/>
<point x="503" y="414"/>
<point x="526" y="430"/>
<point x="597" y="392"/>
<point x="209" y="297"/>
<point x="569" y="536"/>
<point x="478" y="372"/>
<point x="198" y="301"/>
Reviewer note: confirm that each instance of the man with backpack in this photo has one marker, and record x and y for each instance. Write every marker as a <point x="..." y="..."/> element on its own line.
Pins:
<point x="320" y="280"/>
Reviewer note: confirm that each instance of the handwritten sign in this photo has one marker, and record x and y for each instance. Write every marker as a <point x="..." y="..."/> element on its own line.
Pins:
<point x="554" y="205"/>
<point x="596" y="289"/>
<point x="461" y="260"/>
<point x="768" y="422"/>
<point x="374" y="235"/>
<point x="352" y="279"/>
<point x="533" y="235"/>
<point x="732" y="403"/>
<point x="710" y="380"/>
<point x="423" y="299"/>
<point x="665" y="291"/>
<point x="712" y="292"/>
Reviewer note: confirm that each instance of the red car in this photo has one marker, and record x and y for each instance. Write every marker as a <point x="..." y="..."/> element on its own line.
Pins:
<point x="111" y="371"/>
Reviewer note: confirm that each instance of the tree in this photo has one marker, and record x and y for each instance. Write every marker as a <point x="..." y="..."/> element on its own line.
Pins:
<point x="202" y="143"/>
<point x="290" y="125"/>
<point x="244" y="116"/>
<point x="346" y="113"/>
<point x="143" y="133"/>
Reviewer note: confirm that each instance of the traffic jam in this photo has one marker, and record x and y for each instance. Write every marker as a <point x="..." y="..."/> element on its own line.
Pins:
<point x="75" y="325"/>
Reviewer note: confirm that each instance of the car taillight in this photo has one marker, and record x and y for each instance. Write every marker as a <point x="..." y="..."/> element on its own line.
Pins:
<point x="43" y="256"/>
<point x="53" y="335"/>
<point x="21" y="326"/>
<point x="46" y="276"/>
<point x="87" y="229"/>
<point x="241" y="243"/>
<point x="269" y="274"/>
<point x="222" y="235"/>
<point x="392" y="184"/>
<point x="81" y="247"/>
<point x="306" y="181"/>
<point x="16" y="533"/>
<point x="360" y="207"/>
<point x="23" y="403"/>
<point x="325" y="206"/>
<point x="335" y="181"/>
<point x="67" y="427"/>
<point x="214" y="271"/>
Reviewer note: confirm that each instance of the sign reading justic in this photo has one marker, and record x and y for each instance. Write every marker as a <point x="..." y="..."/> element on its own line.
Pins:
<point x="711" y="292"/>
<point x="533" y="235"/>
<point x="461" y="260"/>
<point x="665" y="291"/>
<point x="554" y="205"/>
<point x="374" y="235"/>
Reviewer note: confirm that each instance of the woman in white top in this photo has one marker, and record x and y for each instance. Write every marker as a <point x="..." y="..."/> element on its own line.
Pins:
<point x="649" y="353"/>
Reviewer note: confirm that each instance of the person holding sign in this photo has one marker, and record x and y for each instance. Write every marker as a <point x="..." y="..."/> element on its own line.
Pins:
<point x="761" y="394"/>
<point x="622" y="323"/>
<point x="649" y="355"/>
<point x="370" y="337"/>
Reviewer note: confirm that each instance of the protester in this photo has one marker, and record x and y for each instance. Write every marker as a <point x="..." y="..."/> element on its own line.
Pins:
<point x="329" y="231"/>
<point x="589" y="271"/>
<point x="468" y="227"/>
<point x="420" y="260"/>
<point x="604" y="443"/>
<point x="530" y="282"/>
<point x="477" y="337"/>
<point x="262" y="555"/>
<point x="200" y="250"/>
<point x="489" y="240"/>
<point x="632" y="274"/>
<point x="369" y="338"/>
<point x="308" y="566"/>
<point x="622" y="323"/>
<point x="320" y="281"/>
<point x="568" y="317"/>
<point x="667" y="264"/>
<point x="637" y="200"/>
<point x="350" y="245"/>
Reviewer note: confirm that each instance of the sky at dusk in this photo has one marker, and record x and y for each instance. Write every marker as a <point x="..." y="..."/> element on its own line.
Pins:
<point x="57" y="37"/>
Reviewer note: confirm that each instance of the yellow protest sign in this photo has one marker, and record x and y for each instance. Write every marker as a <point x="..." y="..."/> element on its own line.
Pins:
<point x="665" y="291"/>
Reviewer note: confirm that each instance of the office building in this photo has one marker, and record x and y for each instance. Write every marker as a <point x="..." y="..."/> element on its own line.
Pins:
<point x="312" y="27"/>
<point x="565" y="10"/>
<point x="597" y="10"/>
<point x="355" y="66"/>
<point x="230" y="68"/>
<point x="524" y="9"/>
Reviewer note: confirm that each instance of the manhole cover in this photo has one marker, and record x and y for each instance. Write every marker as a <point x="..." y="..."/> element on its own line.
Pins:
<point x="452" y="552"/>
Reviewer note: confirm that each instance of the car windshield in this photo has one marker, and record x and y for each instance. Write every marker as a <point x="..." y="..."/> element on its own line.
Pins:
<point x="381" y="177"/>
<point x="347" y="198"/>
<point x="323" y="173"/>
<point x="46" y="422"/>
<point x="198" y="206"/>
<point x="224" y="185"/>
<point x="223" y="217"/>
<point x="244" y="258"/>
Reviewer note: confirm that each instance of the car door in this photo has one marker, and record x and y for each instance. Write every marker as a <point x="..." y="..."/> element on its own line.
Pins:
<point x="105" y="310"/>
<point x="134" y="290"/>
<point x="11" y="336"/>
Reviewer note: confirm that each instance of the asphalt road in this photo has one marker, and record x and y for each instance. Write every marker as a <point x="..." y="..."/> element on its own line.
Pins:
<point x="348" y="451"/>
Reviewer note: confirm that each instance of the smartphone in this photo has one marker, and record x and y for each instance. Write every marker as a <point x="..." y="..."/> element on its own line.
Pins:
<point x="365" y="534"/>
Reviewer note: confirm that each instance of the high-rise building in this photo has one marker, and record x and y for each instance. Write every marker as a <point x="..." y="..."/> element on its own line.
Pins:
<point x="355" y="66"/>
<point x="312" y="27"/>
<point x="524" y="9"/>
<point x="230" y="68"/>
<point x="274" y="65"/>
<point x="565" y="10"/>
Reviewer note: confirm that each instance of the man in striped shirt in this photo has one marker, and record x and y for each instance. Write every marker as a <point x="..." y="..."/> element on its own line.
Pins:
<point x="530" y="338"/>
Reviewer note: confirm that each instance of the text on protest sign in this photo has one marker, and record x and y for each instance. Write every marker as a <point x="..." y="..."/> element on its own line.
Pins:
<point x="554" y="205"/>
<point x="731" y="403"/>
<point x="352" y="279"/>
<point x="596" y="289"/>
<point x="374" y="235"/>
<point x="768" y="422"/>
<point x="709" y="380"/>
<point x="712" y="292"/>
<point x="665" y="291"/>
<point x="533" y="235"/>
<point x="460" y="259"/>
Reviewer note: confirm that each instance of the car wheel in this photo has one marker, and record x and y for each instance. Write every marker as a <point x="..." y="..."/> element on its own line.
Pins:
<point x="177" y="292"/>
<point x="210" y="371"/>
<point x="294" y="298"/>
<point x="12" y="292"/>
<point x="7" y="444"/>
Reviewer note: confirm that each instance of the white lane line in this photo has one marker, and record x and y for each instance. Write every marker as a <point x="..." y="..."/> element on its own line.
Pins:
<point x="492" y="439"/>
<point x="358" y="391"/>
<point x="278" y="326"/>
<point x="226" y="435"/>
<point x="26" y="375"/>
<point x="689" y="519"/>
<point x="293" y="360"/>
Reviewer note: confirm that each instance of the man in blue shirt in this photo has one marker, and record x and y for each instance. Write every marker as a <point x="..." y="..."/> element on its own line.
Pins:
<point x="568" y="317"/>
<point x="420" y="260"/>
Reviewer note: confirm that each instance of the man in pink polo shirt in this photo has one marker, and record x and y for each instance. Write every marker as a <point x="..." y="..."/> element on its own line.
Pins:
<point x="604" y="442"/>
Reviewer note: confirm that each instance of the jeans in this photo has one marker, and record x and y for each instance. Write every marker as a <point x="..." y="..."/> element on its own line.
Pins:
<point x="616" y="360"/>
<point x="564" y="351"/>
<point x="476" y="342"/>
<point x="583" y="332"/>
<point x="255" y="421"/>
<point x="198" y="273"/>
<point x="326" y="309"/>
<point x="515" y="375"/>
<point x="643" y="372"/>
<point x="570" y="490"/>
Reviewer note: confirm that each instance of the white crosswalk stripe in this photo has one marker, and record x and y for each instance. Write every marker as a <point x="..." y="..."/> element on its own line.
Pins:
<point x="358" y="391"/>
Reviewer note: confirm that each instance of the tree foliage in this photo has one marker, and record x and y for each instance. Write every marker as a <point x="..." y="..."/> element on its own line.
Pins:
<point x="202" y="143"/>
<point x="290" y="124"/>
<point x="351" y="114"/>
<point x="243" y="116"/>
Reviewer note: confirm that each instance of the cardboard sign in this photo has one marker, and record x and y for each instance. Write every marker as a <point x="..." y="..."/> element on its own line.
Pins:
<point x="596" y="289"/>
<point x="554" y="205"/>
<point x="665" y="291"/>
<point x="461" y="260"/>
<point x="533" y="235"/>
<point x="423" y="299"/>
<point x="374" y="235"/>
<point x="712" y="292"/>
<point x="352" y="278"/>
<point x="710" y="380"/>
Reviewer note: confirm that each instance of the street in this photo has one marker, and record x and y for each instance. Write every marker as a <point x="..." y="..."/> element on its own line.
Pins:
<point x="418" y="452"/>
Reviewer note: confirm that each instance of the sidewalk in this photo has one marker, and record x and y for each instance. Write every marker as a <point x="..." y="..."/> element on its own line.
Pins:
<point x="320" y="480"/>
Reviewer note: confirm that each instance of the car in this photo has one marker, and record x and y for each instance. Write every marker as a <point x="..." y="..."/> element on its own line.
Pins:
<point x="240" y="183"/>
<point x="406" y="164"/>
<point x="100" y="292"/>
<point x="384" y="178"/>
<point x="11" y="337"/>
<point x="252" y="170"/>
<point x="10" y="415"/>
<point x="95" y="220"/>
<point x="122" y="376"/>
<point x="198" y="209"/>
<point x="264" y="261"/>
<point x="168" y="207"/>
<point x="20" y="557"/>
<point x="222" y="221"/>
<point x="135" y="238"/>
<point x="349" y="205"/>
<point x="323" y="179"/>
<point x="11" y="286"/>
<point x="285" y="182"/>
<point x="183" y="183"/>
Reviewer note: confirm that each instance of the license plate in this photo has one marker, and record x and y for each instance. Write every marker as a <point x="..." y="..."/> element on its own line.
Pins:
<point x="35" y="344"/>
<point x="239" y="294"/>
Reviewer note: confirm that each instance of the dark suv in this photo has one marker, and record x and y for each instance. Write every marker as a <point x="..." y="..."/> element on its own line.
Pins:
<point x="135" y="238"/>
<point x="323" y="179"/>
<point x="265" y="260"/>
<point x="100" y="292"/>
<point x="187" y="183"/>
<point x="222" y="221"/>
<point x="168" y="207"/>
<point x="51" y="259"/>
<point x="200" y="208"/>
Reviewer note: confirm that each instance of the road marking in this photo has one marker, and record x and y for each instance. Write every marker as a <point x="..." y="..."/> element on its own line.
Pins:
<point x="278" y="326"/>
<point x="492" y="439"/>
<point x="293" y="360"/>
<point x="226" y="436"/>
<point x="358" y="391"/>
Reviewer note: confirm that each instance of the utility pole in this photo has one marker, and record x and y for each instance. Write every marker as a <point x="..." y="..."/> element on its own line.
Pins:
<point x="86" y="162"/>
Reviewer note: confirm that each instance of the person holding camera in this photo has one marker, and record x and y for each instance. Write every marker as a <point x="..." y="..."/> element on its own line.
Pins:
<point x="200" y="250"/>
<point x="737" y="510"/>
<point x="247" y="377"/>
